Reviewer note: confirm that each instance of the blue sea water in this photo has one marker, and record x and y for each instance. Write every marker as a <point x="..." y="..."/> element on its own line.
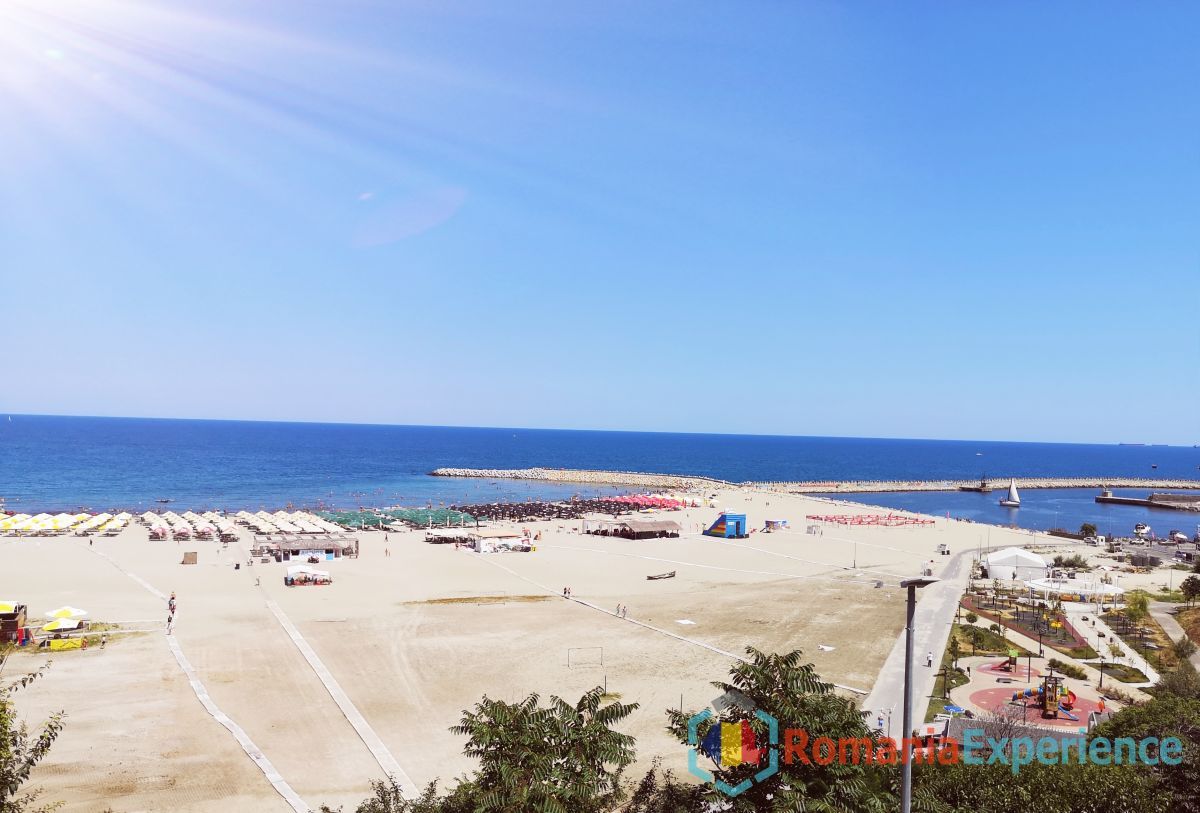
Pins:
<point x="1041" y="509"/>
<point x="60" y="463"/>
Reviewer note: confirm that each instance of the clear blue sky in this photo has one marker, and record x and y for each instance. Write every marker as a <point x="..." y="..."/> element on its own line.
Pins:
<point x="957" y="220"/>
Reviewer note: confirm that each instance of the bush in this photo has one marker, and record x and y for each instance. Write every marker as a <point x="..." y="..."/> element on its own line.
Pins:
<point x="1068" y="669"/>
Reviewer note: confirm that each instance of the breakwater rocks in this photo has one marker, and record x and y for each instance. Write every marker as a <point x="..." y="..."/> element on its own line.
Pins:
<point x="591" y="477"/>
<point x="679" y="481"/>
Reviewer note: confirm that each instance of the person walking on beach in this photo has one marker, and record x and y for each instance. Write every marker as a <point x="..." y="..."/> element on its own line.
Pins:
<point x="624" y="610"/>
<point x="103" y="639"/>
<point x="929" y="660"/>
<point x="617" y="612"/>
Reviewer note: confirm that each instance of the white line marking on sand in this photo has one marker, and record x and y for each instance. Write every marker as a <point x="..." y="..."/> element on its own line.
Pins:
<point x="374" y="744"/>
<point x="243" y="739"/>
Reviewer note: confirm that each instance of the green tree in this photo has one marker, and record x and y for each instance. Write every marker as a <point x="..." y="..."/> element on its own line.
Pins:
<point x="1087" y="529"/>
<point x="1182" y="681"/>
<point x="20" y="749"/>
<point x="660" y="792"/>
<point x="1137" y="608"/>
<point x="971" y="618"/>
<point x="1166" y="716"/>
<point x="791" y="691"/>
<point x="1191" y="589"/>
<point x="955" y="651"/>
<point x="558" y="759"/>
<point x="1069" y="788"/>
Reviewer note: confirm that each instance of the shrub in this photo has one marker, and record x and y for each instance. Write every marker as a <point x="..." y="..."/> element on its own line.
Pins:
<point x="1068" y="669"/>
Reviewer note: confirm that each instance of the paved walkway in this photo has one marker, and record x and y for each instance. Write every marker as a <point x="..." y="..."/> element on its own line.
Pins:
<point x="936" y="606"/>
<point x="1164" y="614"/>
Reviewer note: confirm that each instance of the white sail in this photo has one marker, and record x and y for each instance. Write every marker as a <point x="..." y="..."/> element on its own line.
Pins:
<point x="1012" y="492"/>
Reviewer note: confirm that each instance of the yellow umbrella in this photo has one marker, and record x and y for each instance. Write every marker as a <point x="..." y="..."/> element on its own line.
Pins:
<point x="67" y="611"/>
<point x="8" y="606"/>
<point x="61" y="624"/>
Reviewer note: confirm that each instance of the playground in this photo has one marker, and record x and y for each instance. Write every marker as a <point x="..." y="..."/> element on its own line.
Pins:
<point x="1011" y="689"/>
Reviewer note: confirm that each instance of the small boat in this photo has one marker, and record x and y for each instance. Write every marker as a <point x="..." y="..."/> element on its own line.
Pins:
<point x="1013" y="500"/>
<point x="670" y="575"/>
<point x="1141" y="530"/>
<point x="163" y="500"/>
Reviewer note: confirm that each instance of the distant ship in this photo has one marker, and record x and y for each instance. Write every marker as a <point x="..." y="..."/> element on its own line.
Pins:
<point x="1141" y="530"/>
<point x="1013" y="500"/>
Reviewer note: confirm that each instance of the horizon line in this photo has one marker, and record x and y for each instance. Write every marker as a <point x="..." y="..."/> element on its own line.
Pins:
<point x="590" y="430"/>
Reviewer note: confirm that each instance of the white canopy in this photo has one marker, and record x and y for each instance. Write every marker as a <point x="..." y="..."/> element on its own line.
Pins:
<point x="1015" y="564"/>
<point x="305" y="570"/>
<point x="1080" y="587"/>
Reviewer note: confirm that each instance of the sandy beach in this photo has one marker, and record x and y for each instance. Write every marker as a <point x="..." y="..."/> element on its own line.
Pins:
<point x="414" y="633"/>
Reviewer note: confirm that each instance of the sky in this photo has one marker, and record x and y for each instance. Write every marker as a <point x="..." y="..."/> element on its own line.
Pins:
<point x="940" y="220"/>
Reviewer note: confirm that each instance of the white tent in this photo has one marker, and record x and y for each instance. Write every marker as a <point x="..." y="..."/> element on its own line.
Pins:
<point x="1015" y="564"/>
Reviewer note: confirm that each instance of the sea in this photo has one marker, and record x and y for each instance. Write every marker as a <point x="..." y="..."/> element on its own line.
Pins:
<point x="53" y="463"/>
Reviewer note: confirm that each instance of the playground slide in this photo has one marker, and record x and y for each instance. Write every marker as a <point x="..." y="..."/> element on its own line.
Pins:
<point x="1062" y="709"/>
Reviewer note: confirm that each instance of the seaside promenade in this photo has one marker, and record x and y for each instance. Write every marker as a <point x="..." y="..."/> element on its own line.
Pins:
<point x="683" y="481"/>
<point x="936" y="606"/>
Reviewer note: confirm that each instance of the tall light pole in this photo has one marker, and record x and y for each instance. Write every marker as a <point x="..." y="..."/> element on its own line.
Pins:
<point x="912" y="585"/>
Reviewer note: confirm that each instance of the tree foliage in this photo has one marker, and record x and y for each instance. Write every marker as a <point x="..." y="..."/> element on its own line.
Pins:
<point x="1190" y="589"/>
<point x="1070" y="788"/>
<point x="1165" y="716"/>
<point x="561" y="758"/>
<point x="20" y="748"/>
<point x="791" y="691"/>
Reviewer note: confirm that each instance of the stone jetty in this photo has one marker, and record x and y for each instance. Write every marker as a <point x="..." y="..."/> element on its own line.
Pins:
<point x="589" y="476"/>
<point x="681" y="481"/>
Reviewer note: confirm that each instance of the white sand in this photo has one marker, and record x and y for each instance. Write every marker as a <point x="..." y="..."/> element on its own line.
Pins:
<point x="138" y="739"/>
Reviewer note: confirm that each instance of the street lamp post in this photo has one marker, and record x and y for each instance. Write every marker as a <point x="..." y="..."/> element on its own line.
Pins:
<point x="912" y="585"/>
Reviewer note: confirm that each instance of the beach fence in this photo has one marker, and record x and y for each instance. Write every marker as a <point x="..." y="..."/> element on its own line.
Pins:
<point x="585" y="656"/>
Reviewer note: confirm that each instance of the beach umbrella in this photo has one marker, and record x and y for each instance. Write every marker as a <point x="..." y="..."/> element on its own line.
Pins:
<point x="67" y="611"/>
<point x="8" y="606"/>
<point x="61" y="624"/>
<point x="10" y="522"/>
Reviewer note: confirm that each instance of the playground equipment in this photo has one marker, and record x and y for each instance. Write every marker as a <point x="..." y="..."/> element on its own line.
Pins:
<point x="1010" y="663"/>
<point x="729" y="526"/>
<point x="1052" y="696"/>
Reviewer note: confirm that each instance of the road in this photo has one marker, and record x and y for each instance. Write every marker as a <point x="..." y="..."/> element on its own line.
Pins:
<point x="936" y="606"/>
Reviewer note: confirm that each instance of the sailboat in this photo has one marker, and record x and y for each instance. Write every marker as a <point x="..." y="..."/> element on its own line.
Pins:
<point x="1013" y="500"/>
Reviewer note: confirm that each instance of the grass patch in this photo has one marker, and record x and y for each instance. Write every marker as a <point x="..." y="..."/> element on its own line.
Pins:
<point x="1147" y="638"/>
<point x="1083" y="653"/>
<point x="981" y="641"/>
<point x="1190" y="621"/>
<point x="1169" y="596"/>
<point x="484" y="600"/>
<point x="1123" y="673"/>
<point x="948" y="676"/>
